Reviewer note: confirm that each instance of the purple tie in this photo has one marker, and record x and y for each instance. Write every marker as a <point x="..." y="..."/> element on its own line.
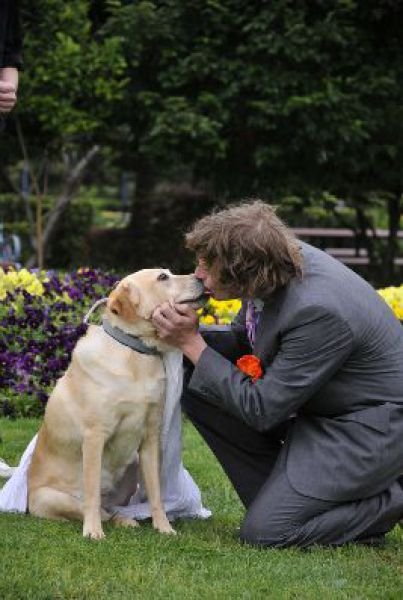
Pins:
<point x="252" y="319"/>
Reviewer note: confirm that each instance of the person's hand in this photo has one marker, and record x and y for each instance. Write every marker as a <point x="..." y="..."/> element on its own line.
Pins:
<point x="178" y="325"/>
<point x="8" y="89"/>
<point x="8" y="96"/>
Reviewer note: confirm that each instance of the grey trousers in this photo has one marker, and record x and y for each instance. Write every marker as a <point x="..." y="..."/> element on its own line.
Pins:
<point x="277" y="515"/>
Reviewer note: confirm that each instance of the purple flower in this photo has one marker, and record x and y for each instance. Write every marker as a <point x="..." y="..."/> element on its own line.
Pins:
<point x="36" y="344"/>
<point x="42" y="396"/>
<point x="55" y="364"/>
<point x="21" y="387"/>
<point x="74" y="293"/>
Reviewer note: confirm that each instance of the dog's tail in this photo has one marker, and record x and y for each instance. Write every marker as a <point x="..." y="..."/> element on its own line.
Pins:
<point x="5" y="470"/>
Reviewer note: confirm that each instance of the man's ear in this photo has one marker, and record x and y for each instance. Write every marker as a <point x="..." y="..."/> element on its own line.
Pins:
<point x="123" y="301"/>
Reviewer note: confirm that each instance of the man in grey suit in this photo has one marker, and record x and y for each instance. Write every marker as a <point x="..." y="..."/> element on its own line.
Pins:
<point x="314" y="446"/>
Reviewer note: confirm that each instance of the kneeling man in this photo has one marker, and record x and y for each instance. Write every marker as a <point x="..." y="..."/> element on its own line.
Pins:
<point x="312" y="442"/>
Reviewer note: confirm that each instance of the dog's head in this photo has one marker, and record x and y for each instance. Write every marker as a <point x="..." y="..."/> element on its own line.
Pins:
<point x="132" y="303"/>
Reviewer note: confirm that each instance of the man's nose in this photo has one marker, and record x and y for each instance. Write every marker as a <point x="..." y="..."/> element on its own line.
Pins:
<point x="199" y="274"/>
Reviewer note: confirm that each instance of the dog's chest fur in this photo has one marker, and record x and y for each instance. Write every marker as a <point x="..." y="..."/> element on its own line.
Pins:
<point x="119" y="393"/>
<point x="130" y="420"/>
<point x="121" y="449"/>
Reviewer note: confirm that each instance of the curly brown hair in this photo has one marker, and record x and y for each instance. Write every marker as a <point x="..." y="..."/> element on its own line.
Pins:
<point x="249" y="245"/>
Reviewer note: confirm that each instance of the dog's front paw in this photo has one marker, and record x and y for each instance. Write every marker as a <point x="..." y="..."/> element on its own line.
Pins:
<point x="167" y="529"/>
<point x="120" y="521"/>
<point x="164" y="526"/>
<point x="94" y="533"/>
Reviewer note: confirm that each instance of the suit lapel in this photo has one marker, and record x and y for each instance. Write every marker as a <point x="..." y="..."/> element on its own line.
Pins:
<point x="266" y="342"/>
<point x="267" y="333"/>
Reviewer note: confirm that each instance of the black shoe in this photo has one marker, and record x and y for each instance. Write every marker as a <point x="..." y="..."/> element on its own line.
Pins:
<point x="374" y="541"/>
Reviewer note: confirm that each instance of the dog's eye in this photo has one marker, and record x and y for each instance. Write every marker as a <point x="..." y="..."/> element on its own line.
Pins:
<point x="162" y="277"/>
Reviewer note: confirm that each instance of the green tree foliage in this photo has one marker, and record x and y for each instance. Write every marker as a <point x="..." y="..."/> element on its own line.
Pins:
<point x="269" y="98"/>
<point x="268" y="94"/>
<point x="73" y="76"/>
<point x="72" y="80"/>
<point x="272" y="98"/>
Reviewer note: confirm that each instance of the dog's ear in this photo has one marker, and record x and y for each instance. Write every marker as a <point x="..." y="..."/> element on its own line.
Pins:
<point x="123" y="301"/>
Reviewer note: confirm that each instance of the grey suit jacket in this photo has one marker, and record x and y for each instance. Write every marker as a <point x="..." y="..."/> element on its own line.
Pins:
<point x="332" y="353"/>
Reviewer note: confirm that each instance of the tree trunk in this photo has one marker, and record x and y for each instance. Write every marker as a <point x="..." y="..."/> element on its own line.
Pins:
<point x="70" y="187"/>
<point x="145" y="181"/>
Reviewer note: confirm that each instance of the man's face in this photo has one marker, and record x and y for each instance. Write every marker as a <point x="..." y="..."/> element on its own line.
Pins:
<point x="210" y="278"/>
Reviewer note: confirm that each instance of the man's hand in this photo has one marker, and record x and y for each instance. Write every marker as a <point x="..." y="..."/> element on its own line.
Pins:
<point x="8" y="88"/>
<point x="178" y="325"/>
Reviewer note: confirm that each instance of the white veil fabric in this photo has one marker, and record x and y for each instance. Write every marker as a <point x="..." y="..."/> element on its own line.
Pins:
<point x="181" y="495"/>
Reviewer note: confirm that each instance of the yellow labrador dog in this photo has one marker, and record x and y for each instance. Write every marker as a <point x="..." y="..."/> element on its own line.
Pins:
<point x="104" y="415"/>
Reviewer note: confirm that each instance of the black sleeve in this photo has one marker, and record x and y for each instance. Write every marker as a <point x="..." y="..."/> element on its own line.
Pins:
<point x="12" y="55"/>
<point x="228" y="340"/>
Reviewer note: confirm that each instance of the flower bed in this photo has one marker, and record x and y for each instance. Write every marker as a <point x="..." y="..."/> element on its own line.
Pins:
<point x="41" y="320"/>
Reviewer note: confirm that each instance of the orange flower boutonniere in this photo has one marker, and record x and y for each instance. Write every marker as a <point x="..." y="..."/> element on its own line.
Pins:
<point x="251" y="365"/>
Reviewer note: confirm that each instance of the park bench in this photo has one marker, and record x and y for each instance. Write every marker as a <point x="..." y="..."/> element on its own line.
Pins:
<point x="343" y="243"/>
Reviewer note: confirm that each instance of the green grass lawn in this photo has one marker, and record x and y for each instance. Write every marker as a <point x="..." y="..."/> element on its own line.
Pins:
<point x="49" y="560"/>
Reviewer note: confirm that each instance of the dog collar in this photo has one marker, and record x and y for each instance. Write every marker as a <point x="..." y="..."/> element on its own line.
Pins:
<point x="131" y="341"/>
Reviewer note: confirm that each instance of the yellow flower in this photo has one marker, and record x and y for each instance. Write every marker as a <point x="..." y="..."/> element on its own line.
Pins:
<point x="11" y="280"/>
<point x="35" y="288"/>
<point x="393" y="296"/>
<point x="208" y="320"/>
<point x="222" y="311"/>
<point x="25" y="275"/>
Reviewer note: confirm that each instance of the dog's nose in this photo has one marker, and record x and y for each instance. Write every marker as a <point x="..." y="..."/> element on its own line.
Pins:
<point x="199" y="282"/>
